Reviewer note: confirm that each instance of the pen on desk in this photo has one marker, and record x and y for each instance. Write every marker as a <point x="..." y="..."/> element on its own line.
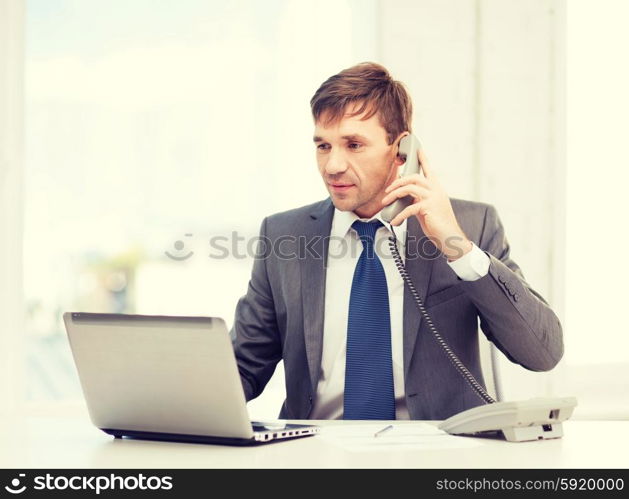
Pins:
<point x="386" y="428"/>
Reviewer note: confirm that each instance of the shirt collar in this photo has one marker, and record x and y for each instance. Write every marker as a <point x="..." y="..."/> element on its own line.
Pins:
<point x="343" y="220"/>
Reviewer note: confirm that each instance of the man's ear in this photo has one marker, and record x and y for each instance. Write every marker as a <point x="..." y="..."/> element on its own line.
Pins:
<point x="397" y="161"/>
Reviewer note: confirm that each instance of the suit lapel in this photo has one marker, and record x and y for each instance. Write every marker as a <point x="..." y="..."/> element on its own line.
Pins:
<point x="313" y="273"/>
<point x="420" y="258"/>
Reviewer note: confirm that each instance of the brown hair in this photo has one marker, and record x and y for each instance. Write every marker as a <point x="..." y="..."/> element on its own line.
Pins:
<point x="370" y="85"/>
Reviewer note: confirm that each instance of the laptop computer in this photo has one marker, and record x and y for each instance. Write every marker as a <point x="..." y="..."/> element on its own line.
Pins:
<point x="166" y="378"/>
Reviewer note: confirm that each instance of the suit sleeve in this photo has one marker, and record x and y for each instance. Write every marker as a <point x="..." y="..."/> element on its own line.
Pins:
<point x="512" y="315"/>
<point x="255" y="334"/>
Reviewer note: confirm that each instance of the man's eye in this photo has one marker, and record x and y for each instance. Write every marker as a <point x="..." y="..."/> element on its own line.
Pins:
<point x="323" y="147"/>
<point x="354" y="145"/>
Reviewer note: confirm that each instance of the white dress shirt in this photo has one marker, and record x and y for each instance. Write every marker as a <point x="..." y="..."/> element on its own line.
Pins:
<point x="344" y="250"/>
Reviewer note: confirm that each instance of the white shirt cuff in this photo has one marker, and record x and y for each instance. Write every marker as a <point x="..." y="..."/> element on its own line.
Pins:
<point x="471" y="266"/>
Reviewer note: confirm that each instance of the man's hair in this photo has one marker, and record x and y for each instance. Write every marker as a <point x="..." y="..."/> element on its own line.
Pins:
<point x="370" y="85"/>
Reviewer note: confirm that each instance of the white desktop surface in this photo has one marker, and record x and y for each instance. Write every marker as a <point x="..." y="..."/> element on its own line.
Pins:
<point x="70" y="441"/>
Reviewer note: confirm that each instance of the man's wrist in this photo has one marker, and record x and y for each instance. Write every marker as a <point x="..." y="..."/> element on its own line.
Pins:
<point x="456" y="247"/>
<point x="472" y="265"/>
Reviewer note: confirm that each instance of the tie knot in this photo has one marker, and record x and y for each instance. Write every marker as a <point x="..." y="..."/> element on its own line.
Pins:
<point x="367" y="230"/>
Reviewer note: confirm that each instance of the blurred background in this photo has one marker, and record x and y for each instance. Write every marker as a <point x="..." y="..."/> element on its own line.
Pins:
<point x="142" y="142"/>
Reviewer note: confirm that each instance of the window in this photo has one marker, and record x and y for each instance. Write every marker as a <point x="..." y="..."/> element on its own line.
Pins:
<point x="152" y="128"/>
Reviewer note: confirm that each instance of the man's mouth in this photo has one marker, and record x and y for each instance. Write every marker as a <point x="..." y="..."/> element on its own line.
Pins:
<point x="340" y="187"/>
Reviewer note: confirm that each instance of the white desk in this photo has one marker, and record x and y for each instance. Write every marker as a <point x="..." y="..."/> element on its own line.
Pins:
<point x="70" y="441"/>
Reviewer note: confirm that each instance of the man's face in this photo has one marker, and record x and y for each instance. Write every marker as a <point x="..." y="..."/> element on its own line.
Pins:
<point x="356" y="162"/>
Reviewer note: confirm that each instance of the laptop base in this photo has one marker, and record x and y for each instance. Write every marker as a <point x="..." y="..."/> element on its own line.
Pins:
<point x="297" y="431"/>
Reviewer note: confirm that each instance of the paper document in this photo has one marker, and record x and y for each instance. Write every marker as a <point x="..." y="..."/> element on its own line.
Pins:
<point x="361" y="437"/>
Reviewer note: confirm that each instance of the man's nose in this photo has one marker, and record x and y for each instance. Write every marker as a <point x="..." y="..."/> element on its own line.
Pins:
<point x="336" y="163"/>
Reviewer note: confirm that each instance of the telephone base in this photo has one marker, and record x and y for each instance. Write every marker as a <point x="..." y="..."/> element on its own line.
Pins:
<point x="523" y="421"/>
<point x="537" y="432"/>
<point x="520" y="434"/>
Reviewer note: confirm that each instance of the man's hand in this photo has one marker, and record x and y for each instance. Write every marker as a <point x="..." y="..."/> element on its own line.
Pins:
<point x="432" y="208"/>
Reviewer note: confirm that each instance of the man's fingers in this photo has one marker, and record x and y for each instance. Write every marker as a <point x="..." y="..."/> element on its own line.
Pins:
<point x="415" y="178"/>
<point x="413" y="209"/>
<point x="413" y="190"/>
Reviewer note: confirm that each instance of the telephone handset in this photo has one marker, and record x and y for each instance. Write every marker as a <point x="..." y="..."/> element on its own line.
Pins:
<point x="534" y="419"/>
<point x="409" y="145"/>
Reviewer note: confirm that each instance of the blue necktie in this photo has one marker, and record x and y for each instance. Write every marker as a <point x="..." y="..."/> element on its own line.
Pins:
<point x="368" y="369"/>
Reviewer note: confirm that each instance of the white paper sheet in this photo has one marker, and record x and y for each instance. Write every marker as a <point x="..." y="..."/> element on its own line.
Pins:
<point x="360" y="437"/>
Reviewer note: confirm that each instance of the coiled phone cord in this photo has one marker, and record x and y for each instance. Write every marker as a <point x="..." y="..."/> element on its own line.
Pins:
<point x="454" y="359"/>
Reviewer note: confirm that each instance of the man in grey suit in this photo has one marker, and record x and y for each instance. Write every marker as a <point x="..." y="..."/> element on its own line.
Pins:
<point x="358" y="351"/>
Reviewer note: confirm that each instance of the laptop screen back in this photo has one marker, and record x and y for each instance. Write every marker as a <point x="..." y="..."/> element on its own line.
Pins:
<point x="159" y="374"/>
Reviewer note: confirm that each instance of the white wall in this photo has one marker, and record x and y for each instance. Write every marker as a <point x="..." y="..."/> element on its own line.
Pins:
<point x="11" y="119"/>
<point x="487" y="78"/>
<point x="597" y="103"/>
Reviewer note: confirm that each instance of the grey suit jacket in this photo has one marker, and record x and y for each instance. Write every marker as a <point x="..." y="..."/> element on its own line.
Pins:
<point x="281" y="316"/>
